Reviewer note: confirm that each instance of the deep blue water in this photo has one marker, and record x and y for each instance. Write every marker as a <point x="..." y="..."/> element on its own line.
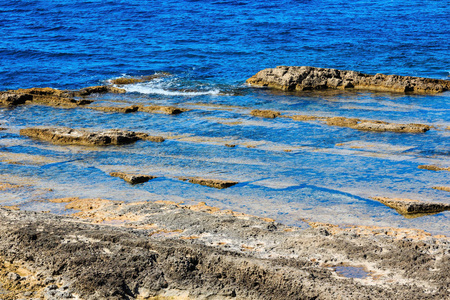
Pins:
<point x="211" y="47"/>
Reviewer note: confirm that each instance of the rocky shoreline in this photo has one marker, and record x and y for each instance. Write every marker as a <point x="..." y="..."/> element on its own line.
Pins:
<point x="289" y="78"/>
<point x="157" y="250"/>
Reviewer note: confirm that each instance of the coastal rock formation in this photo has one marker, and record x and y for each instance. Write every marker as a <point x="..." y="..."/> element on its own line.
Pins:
<point x="132" y="178"/>
<point x="157" y="250"/>
<point x="433" y="168"/>
<point x="169" y="110"/>
<point x="310" y="78"/>
<point x="366" y="125"/>
<point x="215" y="183"/>
<point x="125" y="110"/>
<point x="265" y="113"/>
<point x="45" y="96"/>
<point x="100" y="89"/>
<point x="442" y="188"/>
<point x="81" y="137"/>
<point x="408" y="206"/>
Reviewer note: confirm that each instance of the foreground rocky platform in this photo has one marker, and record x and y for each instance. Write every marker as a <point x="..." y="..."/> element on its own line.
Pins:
<point x="310" y="78"/>
<point x="113" y="250"/>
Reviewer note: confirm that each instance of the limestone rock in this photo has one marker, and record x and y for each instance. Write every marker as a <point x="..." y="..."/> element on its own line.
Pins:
<point x="265" y="113"/>
<point x="81" y="137"/>
<point x="132" y="178"/>
<point x="126" y="109"/>
<point x="408" y="206"/>
<point x="433" y="168"/>
<point x="132" y="80"/>
<point x="310" y="78"/>
<point x="169" y="110"/>
<point x="101" y="89"/>
<point x="12" y="99"/>
<point x="215" y="183"/>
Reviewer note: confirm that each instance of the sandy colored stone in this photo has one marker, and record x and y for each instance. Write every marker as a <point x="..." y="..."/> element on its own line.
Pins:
<point x="169" y="110"/>
<point x="310" y="78"/>
<point x="99" y="89"/>
<point x="215" y="183"/>
<point x="12" y="207"/>
<point x="8" y="186"/>
<point x="265" y="113"/>
<point x="81" y="137"/>
<point x="305" y="118"/>
<point x="126" y="109"/>
<point x="442" y="188"/>
<point x="13" y="99"/>
<point x="433" y="168"/>
<point x="132" y="178"/>
<point x="408" y="206"/>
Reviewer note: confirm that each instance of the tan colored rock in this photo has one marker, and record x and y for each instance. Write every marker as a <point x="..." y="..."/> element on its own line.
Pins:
<point x="442" y="188"/>
<point x="13" y="99"/>
<point x="408" y="206"/>
<point x="342" y="121"/>
<point x="150" y="138"/>
<point x="45" y="96"/>
<point x="132" y="178"/>
<point x="101" y="89"/>
<point x="265" y="113"/>
<point x="215" y="183"/>
<point x="306" y="118"/>
<point x="169" y="110"/>
<point x="81" y="137"/>
<point x="126" y="109"/>
<point x="311" y="78"/>
<point x="433" y="168"/>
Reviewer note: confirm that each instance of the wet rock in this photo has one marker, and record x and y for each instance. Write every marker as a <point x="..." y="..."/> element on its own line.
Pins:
<point x="45" y="96"/>
<point x="311" y="78"/>
<point x="81" y="137"/>
<point x="433" y="168"/>
<point x="408" y="206"/>
<point x="230" y="145"/>
<point x="101" y="89"/>
<point x="12" y="99"/>
<point x="215" y="183"/>
<point x="169" y="110"/>
<point x="132" y="178"/>
<point x="126" y="110"/>
<point x="265" y="113"/>
<point x="132" y="80"/>
<point x="442" y="188"/>
<point x="150" y="138"/>
<point x="367" y="125"/>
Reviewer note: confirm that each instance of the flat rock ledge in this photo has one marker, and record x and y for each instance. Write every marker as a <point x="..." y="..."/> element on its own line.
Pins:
<point x="54" y="97"/>
<point x="87" y="138"/>
<point x="291" y="78"/>
<point x="168" y="110"/>
<point x="113" y="250"/>
<point x="215" y="183"/>
<point x="132" y="178"/>
<point x="408" y="206"/>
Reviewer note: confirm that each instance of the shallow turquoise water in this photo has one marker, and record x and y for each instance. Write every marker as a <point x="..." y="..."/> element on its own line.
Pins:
<point x="211" y="48"/>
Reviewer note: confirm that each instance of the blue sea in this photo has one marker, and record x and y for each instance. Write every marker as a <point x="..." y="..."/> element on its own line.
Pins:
<point x="287" y="170"/>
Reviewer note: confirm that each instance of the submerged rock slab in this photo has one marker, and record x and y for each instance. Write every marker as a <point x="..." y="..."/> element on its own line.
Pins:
<point x="132" y="178"/>
<point x="310" y="78"/>
<point x="434" y="168"/>
<point x="133" y="80"/>
<point x="169" y="110"/>
<point x="81" y="137"/>
<point x="366" y="125"/>
<point x="270" y="114"/>
<point x="215" y="183"/>
<point x="408" y="206"/>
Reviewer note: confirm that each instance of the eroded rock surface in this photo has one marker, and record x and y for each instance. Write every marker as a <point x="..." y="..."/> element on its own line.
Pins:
<point x="166" y="249"/>
<point x="215" y="183"/>
<point x="132" y="178"/>
<point x="408" y="206"/>
<point x="434" y="168"/>
<point x="265" y="113"/>
<point x="311" y="78"/>
<point x="82" y="137"/>
<point x="132" y="80"/>
<point x="366" y="125"/>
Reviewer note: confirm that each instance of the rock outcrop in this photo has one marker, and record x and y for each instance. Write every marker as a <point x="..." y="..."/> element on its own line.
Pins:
<point x="86" y="138"/>
<point x="366" y="125"/>
<point x="434" y="168"/>
<point x="215" y="183"/>
<point x="132" y="80"/>
<point x="44" y="96"/>
<point x="265" y="113"/>
<point x="309" y="78"/>
<point x="132" y="178"/>
<point x="408" y="206"/>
